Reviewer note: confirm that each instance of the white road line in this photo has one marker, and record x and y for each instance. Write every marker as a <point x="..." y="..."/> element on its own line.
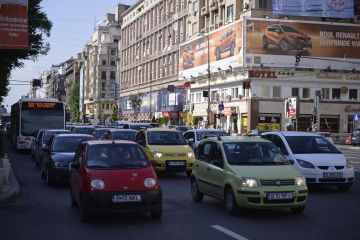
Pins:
<point x="229" y="232"/>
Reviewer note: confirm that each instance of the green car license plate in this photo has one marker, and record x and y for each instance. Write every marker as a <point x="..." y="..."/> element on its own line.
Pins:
<point x="126" y="198"/>
<point x="333" y="174"/>
<point x="279" y="195"/>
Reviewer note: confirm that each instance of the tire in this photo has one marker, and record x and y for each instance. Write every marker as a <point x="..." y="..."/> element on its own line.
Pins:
<point x="344" y="188"/>
<point x="232" y="49"/>
<point x="284" y="45"/>
<point x="196" y="195"/>
<point x="42" y="174"/>
<point x="230" y="202"/>
<point x="188" y="173"/>
<point x="86" y="214"/>
<point x="297" y="210"/>
<point x="218" y="54"/>
<point x="73" y="203"/>
<point x="265" y="43"/>
<point x="156" y="215"/>
<point x="49" y="179"/>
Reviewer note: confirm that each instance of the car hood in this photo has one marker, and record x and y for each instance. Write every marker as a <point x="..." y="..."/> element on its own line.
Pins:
<point x="169" y="149"/>
<point x="329" y="159"/>
<point x="63" y="156"/>
<point x="267" y="172"/>
<point x="123" y="179"/>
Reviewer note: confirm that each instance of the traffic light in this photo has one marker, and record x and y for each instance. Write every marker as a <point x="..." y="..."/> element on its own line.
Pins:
<point x="246" y="85"/>
<point x="205" y="94"/>
<point x="298" y="56"/>
<point x="36" y="82"/>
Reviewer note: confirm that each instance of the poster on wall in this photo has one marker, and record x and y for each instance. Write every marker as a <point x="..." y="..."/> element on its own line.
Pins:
<point x="291" y="108"/>
<point x="314" y="8"/>
<point x="14" y="24"/>
<point x="322" y="45"/>
<point x="225" y="48"/>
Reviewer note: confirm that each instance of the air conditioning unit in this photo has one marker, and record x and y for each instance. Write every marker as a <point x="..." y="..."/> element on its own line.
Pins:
<point x="246" y="6"/>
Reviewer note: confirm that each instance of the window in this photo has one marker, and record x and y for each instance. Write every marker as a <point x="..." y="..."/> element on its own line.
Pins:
<point x="103" y="85"/>
<point x="103" y="95"/>
<point x="103" y="75"/>
<point x="191" y="98"/>
<point x="276" y="92"/>
<point x="198" y="97"/>
<point x="263" y="4"/>
<point x="235" y="92"/>
<point x="353" y="94"/>
<point x="230" y="12"/>
<point x="107" y="106"/>
<point x="195" y="6"/>
<point x="265" y="91"/>
<point x="112" y="63"/>
<point x="112" y="75"/>
<point x="103" y="106"/>
<point x="325" y="93"/>
<point x="213" y="96"/>
<point x="294" y="92"/>
<point x="194" y="28"/>
<point x="336" y="93"/>
<point x="306" y="93"/>
<point x="113" y="52"/>
<point x="103" y="62"/>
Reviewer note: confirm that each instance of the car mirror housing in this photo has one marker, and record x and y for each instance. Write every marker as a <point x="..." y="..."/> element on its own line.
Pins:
<point x="190" y="141"/>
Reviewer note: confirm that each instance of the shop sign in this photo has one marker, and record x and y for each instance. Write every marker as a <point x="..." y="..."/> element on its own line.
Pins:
<point x="350" y="108"/>
<point x="262" y="74"/>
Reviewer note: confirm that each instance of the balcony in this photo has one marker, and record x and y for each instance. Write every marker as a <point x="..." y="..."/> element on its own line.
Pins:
<point x="204" y="11"/>
<point x="213" y="5"/>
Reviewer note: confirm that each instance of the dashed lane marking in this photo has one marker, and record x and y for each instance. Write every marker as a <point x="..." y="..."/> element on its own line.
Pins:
<point x="229" y="232"/>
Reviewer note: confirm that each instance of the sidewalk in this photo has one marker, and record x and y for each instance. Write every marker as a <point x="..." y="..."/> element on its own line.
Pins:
<point x="10" y="191"/>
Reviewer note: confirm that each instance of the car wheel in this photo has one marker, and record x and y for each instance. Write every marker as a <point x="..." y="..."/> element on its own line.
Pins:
<point x="73" y="203"/>
<point x="284" y="45"/>
<point x="49" y="179"/>
<point x="230" y="202"/>
<point x="196" y="195"/>
<point x="42" y="174"/>
<point x="86" y="214"/>
<point x="232" y="49"/>
<point x="218" y="54"/>
<point x="298" y="210"/>
<point x="265" y="43"/>
<point x="345" y="187"/>
<point x="188" y="173"/>
<point x="354" y="144"/>
<point x="156" y="215"/>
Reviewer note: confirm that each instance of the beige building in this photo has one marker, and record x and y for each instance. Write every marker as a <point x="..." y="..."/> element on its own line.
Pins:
<point x="100" y="67"/>
<point x="151" y="33"/>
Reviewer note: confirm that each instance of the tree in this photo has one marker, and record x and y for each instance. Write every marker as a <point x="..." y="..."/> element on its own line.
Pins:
<point x="136" y="102"/>
<point x="114" y="113"/>
<point x="39" y="27"/>
<point x="74" y="101"/>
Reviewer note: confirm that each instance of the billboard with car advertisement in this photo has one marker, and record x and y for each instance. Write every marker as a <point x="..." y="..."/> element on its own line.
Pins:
<point x="275" y="43"/>
<point x="314" y="8"/>
<point x="14" y="24"/>
<point x="225" y="48"/>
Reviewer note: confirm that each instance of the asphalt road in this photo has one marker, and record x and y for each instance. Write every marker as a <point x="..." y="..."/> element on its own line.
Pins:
<point x="352" y="154"/>
<point x="45" y="213"/>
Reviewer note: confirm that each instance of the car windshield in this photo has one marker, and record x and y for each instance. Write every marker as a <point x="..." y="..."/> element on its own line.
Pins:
<point x="124" y="135"/>
<point x="84" y="130"/>
<point x="116" y="156"/>
<point x="204" y="134"/>
<point x="310" y="144"/>
<point x="254" y="153"/>
<point x="68" y="144"/>
<point x="183" y="128"/>
<point x="166" y="138"/>
<point x="288" y="29"/>
<point x="48" y="135"/>
<point x="139" y="126"/>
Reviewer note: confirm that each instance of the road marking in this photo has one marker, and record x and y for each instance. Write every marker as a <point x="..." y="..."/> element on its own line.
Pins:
<point x="229" y="232"/>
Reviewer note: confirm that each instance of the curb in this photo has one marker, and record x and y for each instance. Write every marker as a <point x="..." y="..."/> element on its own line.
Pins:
<point x="10" y="191"/>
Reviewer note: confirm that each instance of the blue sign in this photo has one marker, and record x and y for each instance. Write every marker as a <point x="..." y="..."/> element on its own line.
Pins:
<point x="314" y="8"/>
<point x="221" y="107"/>
<point x="356" y="116"/>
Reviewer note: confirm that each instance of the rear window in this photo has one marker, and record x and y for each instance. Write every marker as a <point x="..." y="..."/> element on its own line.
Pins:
<point x="116" y="156"/>
<point x="205" y="134"/>
<point x="68" y="144"/>
<point x="84" y="130"/>
<point x="124" y="135"/>
<point x="48" y="135"/>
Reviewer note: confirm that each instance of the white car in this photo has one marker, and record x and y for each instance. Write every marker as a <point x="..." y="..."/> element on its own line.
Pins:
<point x="315" y="157"/>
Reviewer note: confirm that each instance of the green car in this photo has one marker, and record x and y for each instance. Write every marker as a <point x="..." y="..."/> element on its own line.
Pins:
<point x="247" y="172"/>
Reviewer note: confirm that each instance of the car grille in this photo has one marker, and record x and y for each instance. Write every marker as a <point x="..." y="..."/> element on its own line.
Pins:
<point x="266" y="201"/>
<point x="331" y="180"/>
<point x="284" y="182"/>
<point x="174" y="154"/>
<point x="327" y="167"/>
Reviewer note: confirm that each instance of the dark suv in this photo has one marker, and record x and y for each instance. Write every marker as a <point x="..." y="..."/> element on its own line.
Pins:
<point x="227" y="43"/>
<point x="286" y="38"/>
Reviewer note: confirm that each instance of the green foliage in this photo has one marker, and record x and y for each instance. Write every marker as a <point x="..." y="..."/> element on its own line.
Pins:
<point x="74" y="101"/>
<point x="114" y="113"/>
<point x="163" y="120"/>
<point x="136" y="102"/>
<point x="39" y="27"/>
<point x="196" y="120"/>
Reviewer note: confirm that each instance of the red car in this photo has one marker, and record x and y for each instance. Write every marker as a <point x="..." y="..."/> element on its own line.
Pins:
<point x="113" y="176"/>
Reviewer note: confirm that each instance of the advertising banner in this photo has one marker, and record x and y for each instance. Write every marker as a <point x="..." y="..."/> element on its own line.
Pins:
<point x="275" y="43"/>
<point x="314" y="8"/>
<point x="14" y="24"/>
<point x="225" y="48"/>
<point x="291" y="108"/>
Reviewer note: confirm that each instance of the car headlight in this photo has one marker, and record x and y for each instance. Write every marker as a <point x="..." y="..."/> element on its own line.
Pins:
<point x="158" y="155"/>
<point x="149" y="182"/>
<point x="97" y="184"/>
<point x="60" y="164"/>
<point x="249" y="182"/>
<point x="348" y="164"/>
<point x="300" y="181"/>
<point x="190" y="154"/>
<point x="304" y="164"/>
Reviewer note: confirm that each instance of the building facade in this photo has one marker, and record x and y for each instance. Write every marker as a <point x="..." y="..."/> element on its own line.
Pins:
<point x="151" y="33"/>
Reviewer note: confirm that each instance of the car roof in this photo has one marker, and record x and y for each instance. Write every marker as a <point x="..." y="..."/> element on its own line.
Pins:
<point x="73" y="135"/>
<point x="80" y="126"/>
<point x="158" y="129"/>
<point x="207" y="130"/>
<point x="293" y="133"/>
<point x="56" y="130"/>
<point x="229" y="139"/>
<point x="99" y="142"/>
<point x="121" y="130"/>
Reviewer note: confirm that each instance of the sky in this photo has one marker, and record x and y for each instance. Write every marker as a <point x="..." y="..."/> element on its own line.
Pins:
<point x="73" y="23"/>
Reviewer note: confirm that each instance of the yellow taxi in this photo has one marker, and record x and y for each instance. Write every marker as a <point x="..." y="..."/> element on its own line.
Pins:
<point x="167" y="149"/>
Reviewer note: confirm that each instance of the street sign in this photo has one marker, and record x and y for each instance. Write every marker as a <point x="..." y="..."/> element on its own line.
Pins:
<point x="221" y="107"/>
<point x="356" y="116"/>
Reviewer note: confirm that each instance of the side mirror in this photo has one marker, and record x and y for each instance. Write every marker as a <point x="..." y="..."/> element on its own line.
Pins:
<point x="142" y="143"/>
<point x="45" y="147"/>
<point x="74" y="165"/>
<point x="291" y="162"/>
<point x="190" y="141"/>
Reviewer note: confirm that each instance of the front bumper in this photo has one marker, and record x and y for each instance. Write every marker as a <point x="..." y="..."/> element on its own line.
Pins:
<point x="102" y="201"/>
<point x="257" y="197"/>
<point x="59" y="174"/>
<point x="162" y="165"/>
<point x="316" y="176"/>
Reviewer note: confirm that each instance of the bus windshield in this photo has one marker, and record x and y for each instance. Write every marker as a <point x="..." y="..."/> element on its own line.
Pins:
<point x="32" y="120"/>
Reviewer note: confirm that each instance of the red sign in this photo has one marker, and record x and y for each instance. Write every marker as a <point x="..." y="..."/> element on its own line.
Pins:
<point x="262" y="74"/>
<point x="350" y="108"/>
<point x="14" y="24"/>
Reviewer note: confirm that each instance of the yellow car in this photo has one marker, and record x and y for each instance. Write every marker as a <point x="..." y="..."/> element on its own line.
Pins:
<point x="167" y="150"/>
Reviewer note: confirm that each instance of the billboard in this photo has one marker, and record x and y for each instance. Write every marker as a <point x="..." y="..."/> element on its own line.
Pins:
<point x="14" y="24"/>
<point x="314" y="8"/>
<point x="225" y="49"/>
<point x="275" y="43"/>
<point x="291" y="108"/>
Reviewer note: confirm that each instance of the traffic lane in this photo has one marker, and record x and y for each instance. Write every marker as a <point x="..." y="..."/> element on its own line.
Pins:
<point x="352" y="153"/>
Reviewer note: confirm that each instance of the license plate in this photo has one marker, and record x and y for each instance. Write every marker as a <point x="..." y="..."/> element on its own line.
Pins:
<point x="176" y="163"/>
<point x="126" y="198"/>
<point x="333" y="174"/>
<point x="306" y="48"/>
<point x="279" y="196"/>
